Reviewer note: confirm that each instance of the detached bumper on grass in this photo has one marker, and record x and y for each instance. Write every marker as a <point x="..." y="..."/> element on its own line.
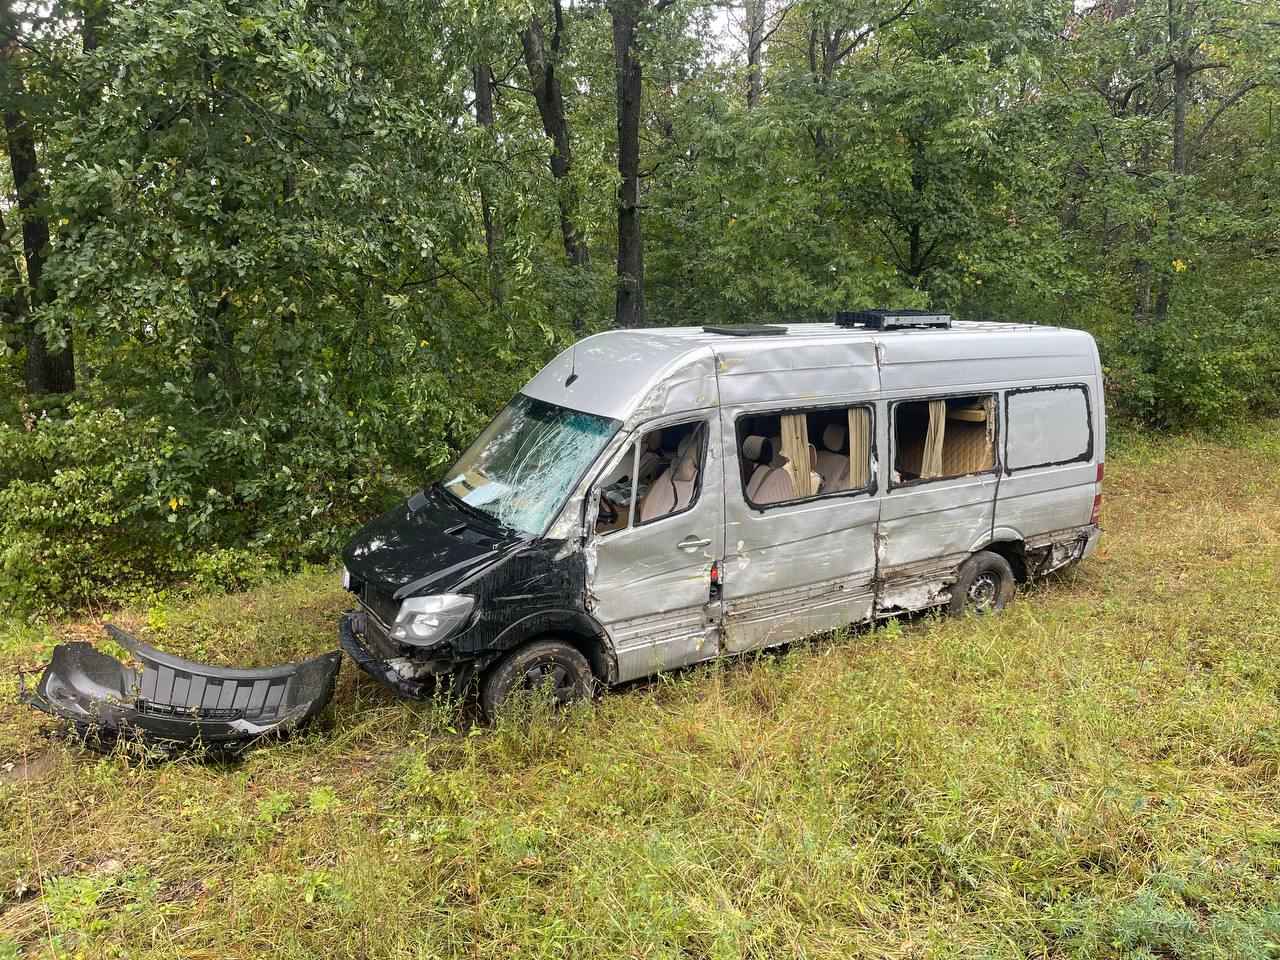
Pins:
<point x="174" y="703"/>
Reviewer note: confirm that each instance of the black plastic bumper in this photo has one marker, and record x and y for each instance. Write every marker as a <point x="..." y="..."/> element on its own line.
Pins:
<point x="453" y="677"/>
<point x="172" y="702"/>
<point x="350" y="638"/>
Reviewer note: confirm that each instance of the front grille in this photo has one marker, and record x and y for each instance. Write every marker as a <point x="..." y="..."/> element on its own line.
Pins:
<point x="377" y="642"/>
<point x="380" y="605"/>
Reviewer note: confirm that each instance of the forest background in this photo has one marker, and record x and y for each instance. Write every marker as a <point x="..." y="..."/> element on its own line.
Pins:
<point x="266" y="264"/>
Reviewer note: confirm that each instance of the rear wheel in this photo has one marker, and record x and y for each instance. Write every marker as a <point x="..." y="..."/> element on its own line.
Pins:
<point x="548" y="665"/>
<point x="985" y="584"/>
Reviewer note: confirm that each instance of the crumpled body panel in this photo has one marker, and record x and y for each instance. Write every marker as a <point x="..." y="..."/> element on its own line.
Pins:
<point x="171" y="702"/>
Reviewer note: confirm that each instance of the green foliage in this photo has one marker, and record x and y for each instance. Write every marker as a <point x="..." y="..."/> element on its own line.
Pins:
<point x="105" y="502"/>
<point x="269" y="243"/>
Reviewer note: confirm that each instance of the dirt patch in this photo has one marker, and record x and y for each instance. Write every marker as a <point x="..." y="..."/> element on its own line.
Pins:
<point x="28" y="767"/>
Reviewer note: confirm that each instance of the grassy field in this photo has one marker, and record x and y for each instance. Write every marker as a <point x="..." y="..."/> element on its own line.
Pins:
<point x="1095" y="773"/>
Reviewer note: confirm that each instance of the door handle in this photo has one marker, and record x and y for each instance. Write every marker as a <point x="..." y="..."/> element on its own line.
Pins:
<point x="693" y="542"/>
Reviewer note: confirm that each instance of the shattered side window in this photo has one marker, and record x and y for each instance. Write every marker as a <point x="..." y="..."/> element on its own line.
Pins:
<point x="524" y="465"/>
<point x="661" y="475"/>
<point x="943" y="438"/>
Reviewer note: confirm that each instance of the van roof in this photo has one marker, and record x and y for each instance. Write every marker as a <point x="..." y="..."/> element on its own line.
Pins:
<point x="790" y="331"/>
<point x="615" y="373"/>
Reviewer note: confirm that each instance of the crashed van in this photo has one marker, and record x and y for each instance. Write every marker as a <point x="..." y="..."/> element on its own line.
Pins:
<point x="657" y="498"/>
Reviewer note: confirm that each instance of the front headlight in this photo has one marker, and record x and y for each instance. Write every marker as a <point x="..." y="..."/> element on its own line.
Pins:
<point x="423" y="621"/>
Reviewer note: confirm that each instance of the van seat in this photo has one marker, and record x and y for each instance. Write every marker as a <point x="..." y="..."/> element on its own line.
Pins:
<point x="674" y="488"/>
<point x="832" y="463"/>
<point x="967" y="448"/>
<point x="652" y="460"/>
<point x="769" y="482"/>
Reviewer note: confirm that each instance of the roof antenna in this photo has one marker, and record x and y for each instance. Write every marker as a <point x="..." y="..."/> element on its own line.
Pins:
<point x="573" y="365"/>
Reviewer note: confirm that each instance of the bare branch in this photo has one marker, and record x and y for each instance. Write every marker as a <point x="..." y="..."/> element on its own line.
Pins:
<point x="1223" y="107"/>
<point x="858" y="40"/>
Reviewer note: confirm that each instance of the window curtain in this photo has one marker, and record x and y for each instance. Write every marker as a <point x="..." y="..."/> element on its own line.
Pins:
<point x="795" y="447"/>
<point x="859" y="447"/>
<point x="931" y="463"/>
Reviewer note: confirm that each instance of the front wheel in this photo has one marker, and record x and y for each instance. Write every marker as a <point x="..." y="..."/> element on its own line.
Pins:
<point x="985" y="584"/>
<point x="546" y="665"/>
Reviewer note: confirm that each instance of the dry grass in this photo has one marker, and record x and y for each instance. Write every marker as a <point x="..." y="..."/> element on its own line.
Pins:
<point x="1096" y="773"/>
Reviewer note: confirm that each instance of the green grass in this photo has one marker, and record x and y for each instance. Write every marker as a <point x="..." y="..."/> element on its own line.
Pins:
<point x="1095" y="773"/>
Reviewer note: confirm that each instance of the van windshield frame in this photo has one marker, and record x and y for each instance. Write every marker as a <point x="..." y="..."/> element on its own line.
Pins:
<point x="525" y="464"/>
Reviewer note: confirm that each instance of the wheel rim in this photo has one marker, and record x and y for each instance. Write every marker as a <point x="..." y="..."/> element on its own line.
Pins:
<point x="983" y="591"/>
<point x="553" y="675"/>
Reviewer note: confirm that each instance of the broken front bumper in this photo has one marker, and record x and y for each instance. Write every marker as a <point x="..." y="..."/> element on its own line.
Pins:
<point x="408" y="677"/>
<point x="173" y="702"/>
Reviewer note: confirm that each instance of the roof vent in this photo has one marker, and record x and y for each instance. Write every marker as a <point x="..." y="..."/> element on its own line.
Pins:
<point x="746" y="330"/>
<point x="884" y="319"/>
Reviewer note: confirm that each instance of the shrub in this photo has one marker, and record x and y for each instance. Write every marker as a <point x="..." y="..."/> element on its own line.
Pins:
<point x="101" y="504"/>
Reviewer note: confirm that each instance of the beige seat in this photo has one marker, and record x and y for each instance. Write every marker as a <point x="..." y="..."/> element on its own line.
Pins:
<point x="832" y="465"/>
<point x="777" y="459"/>
<point x="651" y="459"/>
<point x="674" y="488"/>
<point x="815" y="479"/>
<point x="769" y="481"/>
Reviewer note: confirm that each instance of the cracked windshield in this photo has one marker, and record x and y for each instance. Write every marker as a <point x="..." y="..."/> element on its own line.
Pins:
<point x="522" y="467"/>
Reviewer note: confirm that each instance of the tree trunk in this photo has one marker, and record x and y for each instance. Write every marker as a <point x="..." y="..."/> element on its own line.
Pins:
<point x="1181" y="91"/>
<point x="13" y="311"/>
<point x="917" y="253"/>
<point x="755" y="51"/>
<point x="50" y="366"/>
<point x="630" y="311"/>
<point x="93" y="14"/>
<point x="545" y="82"/>
<point x="1142" y="234"/>
<point x="493" y="234"/>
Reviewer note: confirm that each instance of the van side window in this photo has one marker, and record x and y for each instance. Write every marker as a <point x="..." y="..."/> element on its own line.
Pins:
<point x="943" y="438"/>
<point x="667" y="477"/>
<point x="786" y="457"/>
<point x="1047" y="427"/>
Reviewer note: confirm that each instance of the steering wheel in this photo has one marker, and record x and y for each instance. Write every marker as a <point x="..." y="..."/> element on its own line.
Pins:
<point x="608" y="512"/>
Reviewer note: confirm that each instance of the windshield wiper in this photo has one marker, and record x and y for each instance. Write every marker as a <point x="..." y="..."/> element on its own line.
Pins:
<point x="470" y="509"/>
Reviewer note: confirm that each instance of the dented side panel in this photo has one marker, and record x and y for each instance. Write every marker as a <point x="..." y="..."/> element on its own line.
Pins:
<point x="914" y="364"/>
<point x="649" y="586"/>
<point x="1038" y="501"/>
<point x="688" y="385"/>
<point x="927" y="530"/>
<point x="795" y="569"/>
<point x="918" y="585"/>
<point x="777" y="616"/>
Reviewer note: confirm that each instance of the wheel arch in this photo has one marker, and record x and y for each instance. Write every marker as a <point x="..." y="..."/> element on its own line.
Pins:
<point x="1011" y="545"/>
<point x="576" y="628"/>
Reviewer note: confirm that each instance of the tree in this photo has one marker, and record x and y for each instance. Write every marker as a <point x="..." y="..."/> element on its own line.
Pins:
<point x="543" y="65"/>
<point x="755" y="17"/>
<point x="50" y="365"/>
<point x="493" y="231"/>
<point x="628" y="18"/>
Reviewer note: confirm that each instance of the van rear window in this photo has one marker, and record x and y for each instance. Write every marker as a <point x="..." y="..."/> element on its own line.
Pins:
<point x="1047" y="426"/>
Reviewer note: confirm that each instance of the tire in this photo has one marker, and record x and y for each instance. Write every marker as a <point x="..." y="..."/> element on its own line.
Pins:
<point x="532" y="665"/>
<point x="985" y="585"/>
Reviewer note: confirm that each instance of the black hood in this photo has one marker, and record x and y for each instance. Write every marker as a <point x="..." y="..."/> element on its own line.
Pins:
<point x="426" y="541"/>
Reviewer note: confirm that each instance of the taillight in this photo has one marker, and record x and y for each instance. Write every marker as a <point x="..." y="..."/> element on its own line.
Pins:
<point x="715" y="574"/>
<point x="1096" y="517"/>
